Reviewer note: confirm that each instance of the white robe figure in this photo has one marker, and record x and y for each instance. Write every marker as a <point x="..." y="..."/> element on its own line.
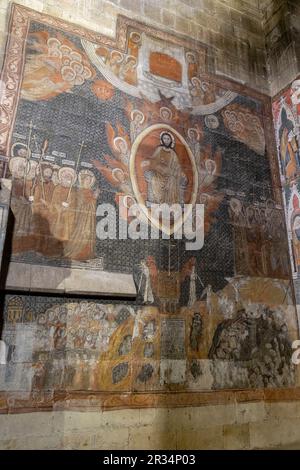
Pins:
<point x="192" y="294"/>
<point x="148" y="294"/>
<point x="137" y="322"/>
<point x="2" y="352"/>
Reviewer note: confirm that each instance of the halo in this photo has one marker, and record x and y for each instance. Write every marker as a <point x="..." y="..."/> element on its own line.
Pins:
<point x="22" y="145"/>
<point x="117" y="139"/>
<point x="203" y="199"/>
<point x="117" y="53"/>
<point x="116" y="170"/>
<point x="53" y="42"/>
<point x="189" y="55"/>
<point x="68" y="170"/>
<point x="88" y="173"/>
<point x="250" y="207"/>
<point x="214" y="163"/>
<point x="65" y="50"/>
<point x="195" y="79"/>
<point x="164" y="108"/>
<point x="270" y="204"/>
<point x="126" y="198"/>
<point x="235" y="205"/>
<point x="194" y="130"/>
<point x="137" y="111"/>
<point x="131" y="57"/>
<point x="135" y="37"/>
<point x="169" y="134"/>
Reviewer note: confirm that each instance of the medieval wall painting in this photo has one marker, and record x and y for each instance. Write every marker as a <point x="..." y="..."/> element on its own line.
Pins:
<point x="141" y="118"/>
<point x="101" y="347"/>
<point x="286" y="116"/>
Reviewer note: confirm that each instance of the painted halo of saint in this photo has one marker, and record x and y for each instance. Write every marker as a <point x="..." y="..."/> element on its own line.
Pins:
<point x="86" y="179"/>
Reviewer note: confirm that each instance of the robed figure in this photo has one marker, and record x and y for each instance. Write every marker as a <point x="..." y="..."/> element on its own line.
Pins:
<point x="166" y="181"/>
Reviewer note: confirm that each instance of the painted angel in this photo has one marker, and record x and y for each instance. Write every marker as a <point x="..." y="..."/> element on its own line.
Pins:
<point x="208" y="173"/>
<point x="136" y="117"/>
<point x="194" y="137"/>
<point x="53" y="66"/>
<point x="115" y="169"/>
<point x="137" y="120"/>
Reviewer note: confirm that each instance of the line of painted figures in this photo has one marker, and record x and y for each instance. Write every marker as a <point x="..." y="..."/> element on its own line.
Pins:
<point x="54" y="209"/>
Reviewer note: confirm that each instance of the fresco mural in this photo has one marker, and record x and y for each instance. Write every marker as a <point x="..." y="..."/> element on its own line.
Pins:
<point x="235" y="339"/>
<point x="87" y="120"/>
<point x="286" y="113"/>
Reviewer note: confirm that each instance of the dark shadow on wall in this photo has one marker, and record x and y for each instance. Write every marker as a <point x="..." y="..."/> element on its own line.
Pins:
<point x="6" y="256"/>
<point x="39" y="238"/>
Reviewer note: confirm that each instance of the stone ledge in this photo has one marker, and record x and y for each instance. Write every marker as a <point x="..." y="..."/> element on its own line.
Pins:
<point x="22" y="276"/>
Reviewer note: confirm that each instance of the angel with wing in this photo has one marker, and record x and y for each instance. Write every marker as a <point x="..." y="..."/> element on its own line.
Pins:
<point x="194" y="137"/>
<point x="116" y="171"/>
<point x="119" y="142"/>
<point x="136" y="117"/>
<point x="208" y="173"/>
<point x="137" y="120"/>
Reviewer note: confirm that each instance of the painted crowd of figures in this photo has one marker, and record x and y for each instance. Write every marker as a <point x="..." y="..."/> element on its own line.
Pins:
<point x="54" y="208"/>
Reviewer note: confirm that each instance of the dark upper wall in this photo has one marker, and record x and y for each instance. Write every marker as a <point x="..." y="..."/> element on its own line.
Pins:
<point x="281" y="27"/>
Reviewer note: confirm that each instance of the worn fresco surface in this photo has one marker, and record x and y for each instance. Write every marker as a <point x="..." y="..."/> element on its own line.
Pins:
<point x="87" y="120"/>
<point x="286" y="111"/>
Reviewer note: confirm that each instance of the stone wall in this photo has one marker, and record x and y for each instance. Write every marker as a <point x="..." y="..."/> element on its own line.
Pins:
<point x="234" y="426"/>
<point x="231" y="27"/>
<point x="280" y="22"/>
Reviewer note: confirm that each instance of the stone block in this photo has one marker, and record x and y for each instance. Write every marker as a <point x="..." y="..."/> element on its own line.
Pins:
<point x="4" y="426"/>
<point x="168" y="18"/>
<point x="180" y="417"/>
<point x="99" y="282"/>
<point x="149" y="437"/>
<point x="75" y="420"/>
<point x="36" y="424"/>
<point x="182" y="25"/>
<point x="200" y="438"/>
<point x="44" y="278"/>
<point x="250" y="412"/>
<point x="121" y="418"/>
<point x="80" y="281"/>
<point x="185" y="11"/>
<point x="131" y="5"/>
<point x="115" y="439"/>
<point x="18" y="276"/>
<point x="78" y="441"/>
<point x="151" y="416"/>
<point x="151" y="11"/>
<point x="236" y="437"/>
<point x="212" y="415"/>
<point x="283" y="410"/>
<point x="274" y="432"/>
<point x="8" y="444"/>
